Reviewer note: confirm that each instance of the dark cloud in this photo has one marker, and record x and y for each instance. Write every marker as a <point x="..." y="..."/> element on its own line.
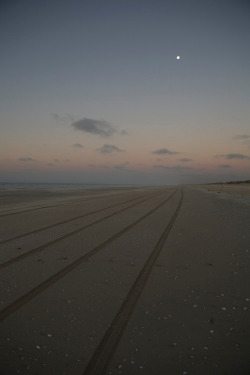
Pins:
<point x="65" y="118"/>
<point x="56" y="160"/>
<point x="242" y="137"/>
<point x="107" y="149"/>
<point x="50" y="164"/>
<point x="121" y="166"/>
<point x="55" y="116"/>
<point x="185" y="160"/>
<point x="165" y="151"/>
<point x="102" y="128"/>
<point x="26" y="159"/>
<point x="233" y="156"/>
<point x="175" y="168"/>
<point x="123" y="132"/>
<point x="78" y="145"/>
<point x="224" y="166"/>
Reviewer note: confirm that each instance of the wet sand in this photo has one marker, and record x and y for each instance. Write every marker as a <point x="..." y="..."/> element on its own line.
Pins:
<point x="126" y="281"/>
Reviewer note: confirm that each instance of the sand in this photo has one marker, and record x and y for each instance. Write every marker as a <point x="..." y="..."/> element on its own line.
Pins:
<point x="126" y="281"/>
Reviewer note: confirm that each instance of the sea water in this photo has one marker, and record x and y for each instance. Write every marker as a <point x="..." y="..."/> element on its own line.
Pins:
<point x="51" y="187"/>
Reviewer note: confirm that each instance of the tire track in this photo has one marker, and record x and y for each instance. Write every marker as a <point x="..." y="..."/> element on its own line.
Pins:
<point x="54" y="205"/>
<point x="42" y="247"/>
<point x="41" y="207"/>
<point x="103" y="354"/>
<point x="69" y="220"/>
<point x="7" y="311"/>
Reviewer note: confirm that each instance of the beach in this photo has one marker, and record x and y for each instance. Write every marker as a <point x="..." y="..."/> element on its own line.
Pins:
<point x="126" y="280"/>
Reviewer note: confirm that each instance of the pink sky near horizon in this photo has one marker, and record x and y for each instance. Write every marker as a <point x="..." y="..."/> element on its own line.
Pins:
<point x="113" y="104"/>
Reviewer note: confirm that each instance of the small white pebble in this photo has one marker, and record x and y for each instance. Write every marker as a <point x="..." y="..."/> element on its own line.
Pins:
<point x="195" y="306"/>
<point x="211" y="331"/>
<point x="223" y="308"/>
<point x="38" y="347"/>
<point x="247" y="299"/>
<point x="49" y="335"/>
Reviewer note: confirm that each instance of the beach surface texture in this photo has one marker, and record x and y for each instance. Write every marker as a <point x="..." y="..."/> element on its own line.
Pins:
<point x="128" y="280"/>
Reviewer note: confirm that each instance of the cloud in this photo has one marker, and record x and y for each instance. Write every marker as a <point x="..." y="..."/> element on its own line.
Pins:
<point x="59" y="118"/>
<point x="242" y="137"/>
<point x="50" y="164"/>
<point x="121" y="166"/>
<point x="162" y="151"/>
<point x="26" y="159"/>
<point x="55" y="116"/>
<point x="175" y="168"/>
<point x="123" y="132"/>
<point x="56" y="160"/>
<point x="107" y="149"/>
<point x="224" y="166"/>
<point x="233" y="156"/>
<point x="102" y="128"/>
<point x="98" y="166"/>
<point x="78" y="145"/>
<point x="185" y="160"/>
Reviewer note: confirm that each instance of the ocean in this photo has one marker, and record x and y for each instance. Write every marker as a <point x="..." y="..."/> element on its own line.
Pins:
<point x="51" y="187"/>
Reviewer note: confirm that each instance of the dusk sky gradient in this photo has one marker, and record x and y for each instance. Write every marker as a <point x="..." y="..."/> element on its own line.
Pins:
<point x="91" y="91"/>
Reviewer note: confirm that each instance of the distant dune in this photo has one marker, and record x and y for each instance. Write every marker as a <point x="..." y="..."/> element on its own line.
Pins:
<point x="231" y="182"/>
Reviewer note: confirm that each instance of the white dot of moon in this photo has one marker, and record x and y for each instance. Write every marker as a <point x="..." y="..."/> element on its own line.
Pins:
<point x="178" y="57"/>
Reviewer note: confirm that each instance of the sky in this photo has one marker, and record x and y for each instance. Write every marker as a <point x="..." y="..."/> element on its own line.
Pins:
<point x="92" y="91"/>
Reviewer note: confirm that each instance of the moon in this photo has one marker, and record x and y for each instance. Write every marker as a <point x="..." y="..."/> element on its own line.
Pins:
<point x="178" y="57"/>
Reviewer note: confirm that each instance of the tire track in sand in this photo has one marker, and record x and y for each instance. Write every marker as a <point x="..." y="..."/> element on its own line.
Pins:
<point x="14" y="306"/>
<point x="105" y="350"/>
<point x="69" y="220"/>
<point x="43" y="247"/>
